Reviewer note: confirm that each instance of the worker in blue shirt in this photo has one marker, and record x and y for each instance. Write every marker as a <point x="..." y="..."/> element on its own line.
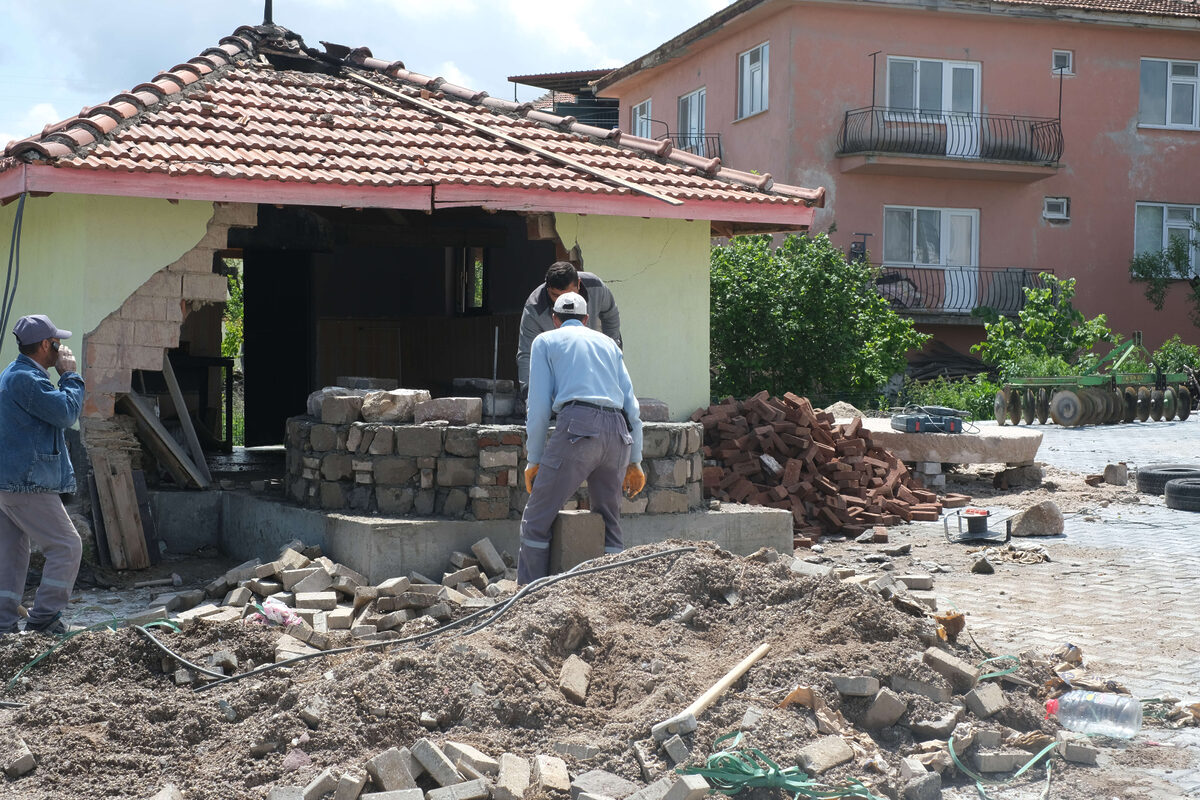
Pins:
<point x="579" y="374"/>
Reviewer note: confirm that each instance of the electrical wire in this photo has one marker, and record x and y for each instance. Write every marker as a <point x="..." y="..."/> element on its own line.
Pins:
<point x="493" y="614"/>
<point x="14" y="269"/>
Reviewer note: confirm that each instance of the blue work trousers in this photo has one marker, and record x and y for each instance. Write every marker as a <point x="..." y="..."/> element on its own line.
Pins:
<point x="588" y="444"/>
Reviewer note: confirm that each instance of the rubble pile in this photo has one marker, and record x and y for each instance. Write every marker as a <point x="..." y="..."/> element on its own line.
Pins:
<point x="780" y="452"/>
<point x="556" y="697"/>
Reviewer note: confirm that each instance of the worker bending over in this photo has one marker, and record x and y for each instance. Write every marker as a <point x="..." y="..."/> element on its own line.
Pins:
<point x="579" y="374"/>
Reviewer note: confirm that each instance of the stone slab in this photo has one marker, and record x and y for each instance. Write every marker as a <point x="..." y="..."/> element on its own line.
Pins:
<point x="1009" y="444"/>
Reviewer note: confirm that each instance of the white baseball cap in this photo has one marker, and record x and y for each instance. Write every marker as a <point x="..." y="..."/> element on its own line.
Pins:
<point x="570" y="303"/>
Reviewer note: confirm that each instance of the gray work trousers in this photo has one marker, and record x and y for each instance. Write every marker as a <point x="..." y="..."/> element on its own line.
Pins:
<point x="588" y="444"/>
<point x="40" y="517"/>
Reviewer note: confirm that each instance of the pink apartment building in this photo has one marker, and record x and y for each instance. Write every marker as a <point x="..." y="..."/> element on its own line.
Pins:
<point x="975" y="144"/>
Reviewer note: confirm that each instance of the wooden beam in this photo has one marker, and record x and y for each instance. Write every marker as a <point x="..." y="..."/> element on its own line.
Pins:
<point x="185" y="418"/>
<point x="119" y="506"/>
<point x="162" y="444"/>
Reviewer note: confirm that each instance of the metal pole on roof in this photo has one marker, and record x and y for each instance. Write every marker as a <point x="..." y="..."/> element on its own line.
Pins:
<point x="267" y="15"/>
<point x="566" y="161"/>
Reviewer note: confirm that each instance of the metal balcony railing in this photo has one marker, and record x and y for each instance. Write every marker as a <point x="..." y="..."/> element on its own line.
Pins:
<point x="956" y="290"/>
<point x="706" y="145"/>
<point x="880" y="129"/>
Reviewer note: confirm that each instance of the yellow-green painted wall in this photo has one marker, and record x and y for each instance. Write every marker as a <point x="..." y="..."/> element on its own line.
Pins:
<point x="83" y="255"/>
<point x="658" y="272"/>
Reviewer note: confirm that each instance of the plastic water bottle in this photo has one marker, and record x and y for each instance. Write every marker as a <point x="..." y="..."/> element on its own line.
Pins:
<point x="1101" y="713"/>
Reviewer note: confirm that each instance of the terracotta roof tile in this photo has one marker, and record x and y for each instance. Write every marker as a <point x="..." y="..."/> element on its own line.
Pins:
<point x="226" y="114"/>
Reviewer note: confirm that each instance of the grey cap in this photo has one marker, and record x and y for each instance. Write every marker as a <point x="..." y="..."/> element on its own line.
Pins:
<point x="34" y="328"/>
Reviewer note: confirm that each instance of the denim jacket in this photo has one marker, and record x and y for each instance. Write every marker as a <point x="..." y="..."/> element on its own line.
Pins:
<point x="33" y="415"/>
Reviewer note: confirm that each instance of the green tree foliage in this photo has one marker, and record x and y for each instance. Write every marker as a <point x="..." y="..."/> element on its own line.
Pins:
<point x="1049" y="337"/>
<point x="800" y="318"/>
<point x="1159" y="269"/>
<point x="232" y="317"/>
<point x="974" y="394"/>
<point x="1174" y="354"/>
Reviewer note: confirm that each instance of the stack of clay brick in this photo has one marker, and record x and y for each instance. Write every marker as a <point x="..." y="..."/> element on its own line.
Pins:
<point x="781" y="452"/>
<point x="337" y="606"/>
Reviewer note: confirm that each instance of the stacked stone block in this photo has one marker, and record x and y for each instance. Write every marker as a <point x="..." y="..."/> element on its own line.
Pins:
<point x="462" y="472"/>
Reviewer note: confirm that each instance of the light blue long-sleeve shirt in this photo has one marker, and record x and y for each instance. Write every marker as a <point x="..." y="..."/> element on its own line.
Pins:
<point x="574" y="362"/>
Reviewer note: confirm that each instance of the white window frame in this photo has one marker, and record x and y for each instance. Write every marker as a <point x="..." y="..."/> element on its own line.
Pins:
<point x="1172" y="82"/>
<point x="639" y="119"/>
<point x="1070" y="68"/>
<point x="1170" y="227"/>
<point x="943" y="228"/>
<point x="752" y="99"/>
<point x="693" y="127"/>
<point x="946" y="66"/>
<point x="1056" y="208"/>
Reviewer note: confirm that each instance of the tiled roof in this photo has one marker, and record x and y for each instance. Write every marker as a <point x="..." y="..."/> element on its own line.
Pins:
<point x="307" y="119"/>
<point x="1154" y="8"/>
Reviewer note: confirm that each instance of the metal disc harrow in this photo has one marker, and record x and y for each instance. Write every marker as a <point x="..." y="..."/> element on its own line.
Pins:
<point x="1100" y="398"/>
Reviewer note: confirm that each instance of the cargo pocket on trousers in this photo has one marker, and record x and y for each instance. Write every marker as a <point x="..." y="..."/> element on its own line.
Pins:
<point x="577" y="430"/>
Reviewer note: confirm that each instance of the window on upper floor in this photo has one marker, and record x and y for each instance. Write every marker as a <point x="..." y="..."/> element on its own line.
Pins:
<point x="639" y="119"/>
<point x="1169" y="91"/>
<point x="1062" y="61"/>
<point x="691" y="121"/>
<point x="943" y="237"/>
<point x="1156" y="224"/>
<point x="753" y="80"/>
<point x="932" y="87"/>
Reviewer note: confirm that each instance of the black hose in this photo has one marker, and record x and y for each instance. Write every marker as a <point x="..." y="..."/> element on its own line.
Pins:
<point x="14" y="270"/>
<point x="495" y="613"/>
<point x="175" y="655"/>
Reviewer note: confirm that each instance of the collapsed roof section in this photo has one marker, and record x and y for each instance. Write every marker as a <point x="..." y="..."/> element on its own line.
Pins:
<point x="264" y="118"/>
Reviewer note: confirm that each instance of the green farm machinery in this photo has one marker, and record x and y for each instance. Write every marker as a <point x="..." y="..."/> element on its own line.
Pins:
<point x="1104" y="397"/>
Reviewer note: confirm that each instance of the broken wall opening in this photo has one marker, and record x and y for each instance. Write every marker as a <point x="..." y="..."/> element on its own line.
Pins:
<point x="413" y="297"/>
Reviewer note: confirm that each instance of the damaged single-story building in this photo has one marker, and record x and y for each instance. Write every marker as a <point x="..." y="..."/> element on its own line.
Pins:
<point x="390" y="224"/>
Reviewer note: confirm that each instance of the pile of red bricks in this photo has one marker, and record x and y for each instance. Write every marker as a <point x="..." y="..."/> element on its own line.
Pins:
<point x="782" y="453"/>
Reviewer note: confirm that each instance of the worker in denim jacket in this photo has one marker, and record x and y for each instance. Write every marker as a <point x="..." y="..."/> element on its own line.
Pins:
<point x="34" y="469"/>
<point x="579" y="374"/>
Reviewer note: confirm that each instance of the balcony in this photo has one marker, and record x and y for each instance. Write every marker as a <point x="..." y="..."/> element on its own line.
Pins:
<point x="705" y="145"/>
<point x="948" y="294"/>
<point x="892" y="141"/>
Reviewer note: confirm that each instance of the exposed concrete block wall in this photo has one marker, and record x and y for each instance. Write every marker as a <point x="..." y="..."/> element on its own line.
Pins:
<point x="462" y="472"/>
<point x="136" y="335"/>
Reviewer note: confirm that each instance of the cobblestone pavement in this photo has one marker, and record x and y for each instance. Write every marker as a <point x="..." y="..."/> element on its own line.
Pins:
<point x="1124" y="584"/>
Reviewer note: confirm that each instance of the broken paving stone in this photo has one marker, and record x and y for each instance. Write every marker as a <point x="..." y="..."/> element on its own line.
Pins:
<point x="655" y="791"/>
<point x="985" y="700"/>
<point x="750" y="719"/>
<point x="512" y="779"/>
<point x="982" y="566"/>
<point x="1117" y="474"/>
<point x="389" y="771"/>
<point x="897" y="550"/>
<point x="550" y="774"/>
<point x="687" y="787"/>
<point x="435" y="762"/>
<point x="350" y="785"/>
<point x="939" y="728"/>
<point x="323" y="784"/>
<point x="885" y="710"/>
<point x="676" y="750"/>
<point x="962" y="676"/>
<point x="467" y="790"/>
<point x="582" y="752"/>
<point x="395" y="794"/>
<point x="286" y="793"/>
<point x="573" y="679"/>
<point x="599" y="782"/>
<point x="824" y="754"/>
<point x="461" y="753"/>
<point x="856" y="685"/>
<point x="1076" y="748"/>
<point x="924" y="787"/>
<point x="1000" y="760"/>
<point x="18" y="759"/>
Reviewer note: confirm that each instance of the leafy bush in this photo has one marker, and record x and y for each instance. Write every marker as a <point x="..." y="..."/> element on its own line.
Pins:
<point x="1174" y="354"/>
<point x="800" y="318"/>
<point x="233" y="317"/>
<point x="973" y="395"/>
<point x="1159" y="268"/>
<point x="1049" y="336"/>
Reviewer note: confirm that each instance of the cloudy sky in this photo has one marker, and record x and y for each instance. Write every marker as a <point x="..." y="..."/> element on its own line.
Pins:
<point x="57" y="56"/>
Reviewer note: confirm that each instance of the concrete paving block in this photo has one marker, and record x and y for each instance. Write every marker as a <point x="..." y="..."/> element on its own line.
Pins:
<point x="1076" y="748"/>
<point x="924" y="787"/>
<point x="512" y="779"/>
<point x="573" y="679"/>
<point x="286" y="793"/>
<point x="962" y="676"/>
<point x="435" y="762"/>
<point x="467" y="790"/>
<point x="583" y="752"/>
<point x="676" y="749"/>
<point x="935" y="728"/>
<point x="550" y="774"/>
<point x="655" y="791"/>
<point x="911" y="768"/>
<point x="576" y="536"/>
<point x="339" y="619"/>
<point x="396" y="794"/>
<point x="393" y="586"/>
<point x="389" y="771"/>
<point x="1000" y="760"/>
<point x="687" y="787"/>
<point x="463" y="575"/>
<point x="824" y="754"/>
<point x="602" y="783"/>
<point x="985" y="700"/>
<point x="317" y="581"/>
<point x="321" y="601"/>
<point x="916" y="581"/>
<point x="350" y="785"/>
<point x="856" y="685"/>
<point x="809" y="569"/>
<point x="291" y="577"/>
<point x="237" y="598"/>
<point x="480" y="761"/>
<point x="885" y="710"/>
<point x="242" y="572"/>
<point x="489" y="557"/>
<point x="933" y="691"/>
<point x="321" y="785"/>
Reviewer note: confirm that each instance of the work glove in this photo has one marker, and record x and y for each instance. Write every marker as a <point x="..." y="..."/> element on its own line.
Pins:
<point x="635" y="480"/>
<point x="531" y="472"/>
<point x="66" y="360"/>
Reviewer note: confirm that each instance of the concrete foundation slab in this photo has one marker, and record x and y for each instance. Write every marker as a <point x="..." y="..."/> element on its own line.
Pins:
<point x="994" y="444"/>
<point x="246" y="526"/>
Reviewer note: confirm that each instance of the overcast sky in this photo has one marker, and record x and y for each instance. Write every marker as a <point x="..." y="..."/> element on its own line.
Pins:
<point x="58" y="56"/>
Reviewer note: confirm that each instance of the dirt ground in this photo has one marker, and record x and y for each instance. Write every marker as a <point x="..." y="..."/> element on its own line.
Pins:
<point x="104" y="718"/>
